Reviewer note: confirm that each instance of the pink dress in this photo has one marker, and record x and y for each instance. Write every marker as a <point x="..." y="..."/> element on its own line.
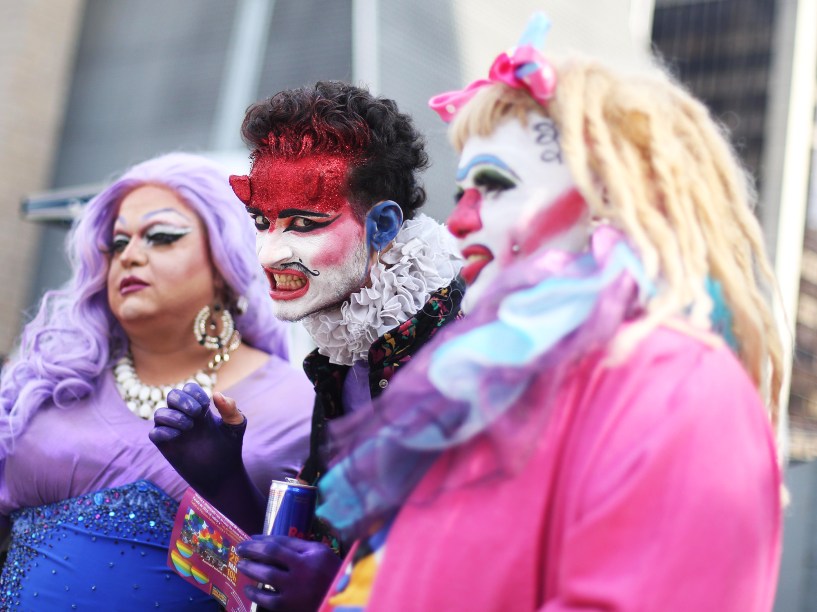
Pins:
<point x="654" y="486"/>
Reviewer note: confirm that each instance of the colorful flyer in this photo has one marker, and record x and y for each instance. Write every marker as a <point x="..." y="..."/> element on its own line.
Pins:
<point x="202" y="551"/>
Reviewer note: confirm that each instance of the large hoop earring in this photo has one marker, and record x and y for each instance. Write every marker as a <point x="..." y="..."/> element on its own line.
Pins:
<point x="223" y="342"/>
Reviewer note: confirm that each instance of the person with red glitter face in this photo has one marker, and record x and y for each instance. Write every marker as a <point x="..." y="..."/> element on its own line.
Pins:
<point x="333" y="193"/>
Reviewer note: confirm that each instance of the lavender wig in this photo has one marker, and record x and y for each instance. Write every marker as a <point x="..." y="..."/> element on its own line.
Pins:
<point x="74" y="338"/>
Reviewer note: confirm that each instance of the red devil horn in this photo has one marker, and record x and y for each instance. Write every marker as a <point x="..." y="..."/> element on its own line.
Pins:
<point x="241" y="187"/>
<point x="313" y="184"/>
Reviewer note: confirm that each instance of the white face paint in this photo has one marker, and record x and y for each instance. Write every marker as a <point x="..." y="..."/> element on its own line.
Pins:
<point x="516" y="194"/>
<point x="310" y="242"/>
<point x="313" y="260"/>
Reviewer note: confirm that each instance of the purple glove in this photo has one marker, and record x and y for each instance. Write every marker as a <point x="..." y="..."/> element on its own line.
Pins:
<point x="206" y="452"/>
<point x="300" y="571"/>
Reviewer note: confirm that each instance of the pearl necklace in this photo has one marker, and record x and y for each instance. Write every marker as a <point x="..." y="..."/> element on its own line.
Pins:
<point x="142" y="399"/>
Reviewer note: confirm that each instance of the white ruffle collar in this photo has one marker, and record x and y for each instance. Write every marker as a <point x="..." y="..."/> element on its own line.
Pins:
<point x="422" y="259"/>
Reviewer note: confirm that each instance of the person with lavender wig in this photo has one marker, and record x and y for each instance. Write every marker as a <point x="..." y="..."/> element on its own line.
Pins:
<point x="596" y="432"/>
<point x="166" y="288"/>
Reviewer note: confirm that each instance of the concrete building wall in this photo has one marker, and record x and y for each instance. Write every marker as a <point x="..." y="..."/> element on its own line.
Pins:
<point x="425" y="47"/>
<point x="37" y="42"/>
<point x="149" y="77"/>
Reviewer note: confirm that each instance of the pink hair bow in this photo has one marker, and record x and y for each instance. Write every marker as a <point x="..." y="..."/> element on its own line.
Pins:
<point x="523" y="68"/>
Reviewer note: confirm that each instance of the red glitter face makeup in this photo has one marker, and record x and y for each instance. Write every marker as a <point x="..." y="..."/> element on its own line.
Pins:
<point x="315" y="183"/>
<point x="310" y="242"/>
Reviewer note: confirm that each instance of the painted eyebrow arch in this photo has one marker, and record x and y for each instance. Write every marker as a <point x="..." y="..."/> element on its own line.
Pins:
<point x="484" y="159"/>
<point x="121" y="220"/>
<point x="300" y="212"/>
<point x="166" y="210"/>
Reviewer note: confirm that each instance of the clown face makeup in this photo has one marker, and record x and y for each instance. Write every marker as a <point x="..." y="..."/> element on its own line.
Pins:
<point x="515" y="195"/>
<point x="310" y="241"/>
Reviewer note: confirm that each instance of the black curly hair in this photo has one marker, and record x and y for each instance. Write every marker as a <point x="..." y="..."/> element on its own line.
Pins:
<point x="386" y="150"/>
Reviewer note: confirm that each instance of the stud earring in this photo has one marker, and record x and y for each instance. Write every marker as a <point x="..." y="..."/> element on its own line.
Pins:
<point x="515" y="248"/>
<point x="242" y="304"/>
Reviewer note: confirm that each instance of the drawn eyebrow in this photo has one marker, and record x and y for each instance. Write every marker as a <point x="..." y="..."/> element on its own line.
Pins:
<point x="300" y="212"/>
<point x="121" y="221"/>
<point x="484" y="159"/>
<point x="164" y="210"/>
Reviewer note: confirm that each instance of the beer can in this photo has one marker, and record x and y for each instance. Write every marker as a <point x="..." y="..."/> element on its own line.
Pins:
<point x="290" y="509"/>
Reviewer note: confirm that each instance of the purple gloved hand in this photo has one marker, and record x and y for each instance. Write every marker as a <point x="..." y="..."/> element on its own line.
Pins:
<point x="198" y="444"/>
<point x="205" y="449"/>
<point x="300" y="571"/>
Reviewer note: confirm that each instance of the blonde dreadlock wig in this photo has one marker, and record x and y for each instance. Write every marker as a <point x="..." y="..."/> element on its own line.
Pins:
<point x="649" y="160"/>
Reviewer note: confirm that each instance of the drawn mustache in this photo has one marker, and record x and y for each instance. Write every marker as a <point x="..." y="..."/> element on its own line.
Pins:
<point x="300" y="267"/>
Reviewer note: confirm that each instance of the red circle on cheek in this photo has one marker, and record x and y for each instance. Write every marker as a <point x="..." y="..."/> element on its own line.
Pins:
<point x="341" y="240"/>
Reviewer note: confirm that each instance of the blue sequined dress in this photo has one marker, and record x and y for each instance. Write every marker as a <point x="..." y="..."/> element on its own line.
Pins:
<point x="100" y="551"/>
<point x="92" y="501"/>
